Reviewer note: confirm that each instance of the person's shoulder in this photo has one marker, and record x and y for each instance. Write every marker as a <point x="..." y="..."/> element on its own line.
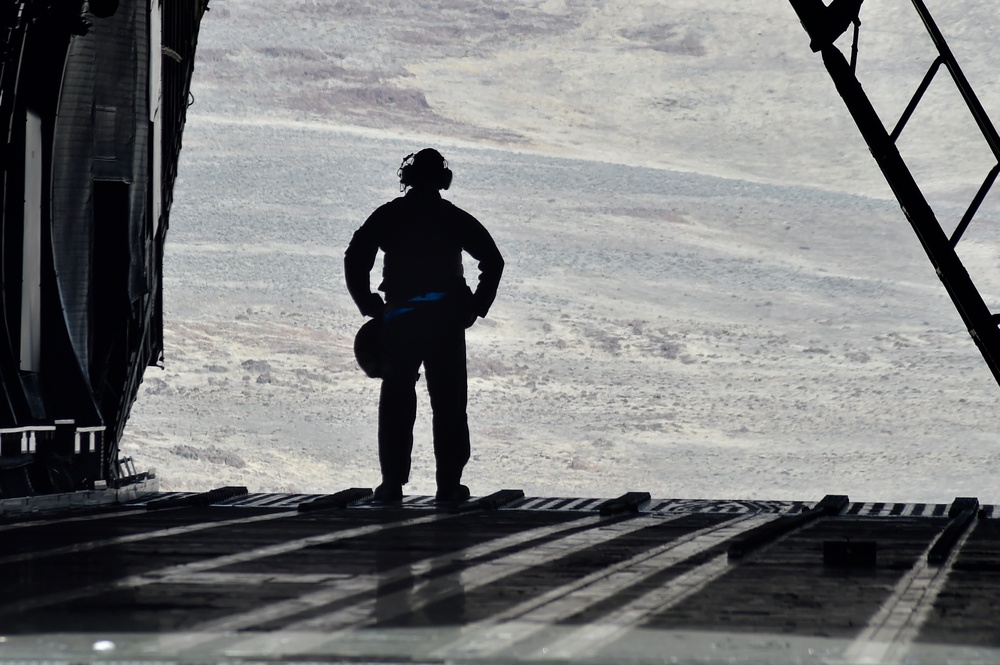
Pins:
<point x="387" y="208"/>
<point x="394" y="203"/>
<point x="454" y="210"/>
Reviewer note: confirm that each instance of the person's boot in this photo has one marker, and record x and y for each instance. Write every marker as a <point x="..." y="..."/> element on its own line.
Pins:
<point x="452" y="494"/>
<point x="389" y="493"/>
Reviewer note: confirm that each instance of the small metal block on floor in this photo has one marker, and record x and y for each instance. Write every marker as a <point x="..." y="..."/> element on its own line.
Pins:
<point x="962" y="513"/>
<point x="831" y="504"/>
<point x="500" y="499"/>
<point x="850" y="553"/>
<point x="631" y="502"/>
<point x="339" y="500"/>
<point x="961" y="504"/>
<point x="493" y="501"/>
<point x="217" y="495"/>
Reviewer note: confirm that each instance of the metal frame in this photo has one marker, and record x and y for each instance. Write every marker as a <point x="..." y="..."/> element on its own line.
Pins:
<point x="825" y="24"/>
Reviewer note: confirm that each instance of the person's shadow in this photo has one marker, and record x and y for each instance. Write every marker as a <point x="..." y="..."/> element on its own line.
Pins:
<point x="428" y="596"/>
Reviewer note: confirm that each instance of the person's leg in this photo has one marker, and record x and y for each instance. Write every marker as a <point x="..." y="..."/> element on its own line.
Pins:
<point x="447" y="384"/>
<point x="397" y="409"/>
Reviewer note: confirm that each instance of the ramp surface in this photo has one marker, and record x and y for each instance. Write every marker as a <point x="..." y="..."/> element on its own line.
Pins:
<point x="253" y="578"/>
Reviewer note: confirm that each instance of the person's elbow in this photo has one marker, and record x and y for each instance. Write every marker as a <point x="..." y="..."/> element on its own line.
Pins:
<point x="497" y="264"/>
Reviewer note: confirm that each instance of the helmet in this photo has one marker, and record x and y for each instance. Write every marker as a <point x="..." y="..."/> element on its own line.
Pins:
<point x="426" y="168"/>
<point x="368" y="348"/>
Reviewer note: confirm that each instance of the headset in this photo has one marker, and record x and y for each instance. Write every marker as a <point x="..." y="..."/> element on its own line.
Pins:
<point x="426" y="167"/>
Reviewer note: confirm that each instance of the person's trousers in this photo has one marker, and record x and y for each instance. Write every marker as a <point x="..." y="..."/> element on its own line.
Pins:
<point x="433" y="335"/>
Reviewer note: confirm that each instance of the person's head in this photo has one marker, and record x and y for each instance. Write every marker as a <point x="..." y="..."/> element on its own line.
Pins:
<point x="423" y="170"/>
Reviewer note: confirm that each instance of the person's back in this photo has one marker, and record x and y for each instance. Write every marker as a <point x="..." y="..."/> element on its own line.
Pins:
<point x="422" y="247"/>
<point x="423" y="318"/>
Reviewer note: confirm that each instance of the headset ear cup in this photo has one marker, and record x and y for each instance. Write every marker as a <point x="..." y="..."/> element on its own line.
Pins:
<point x="446" y="178"/>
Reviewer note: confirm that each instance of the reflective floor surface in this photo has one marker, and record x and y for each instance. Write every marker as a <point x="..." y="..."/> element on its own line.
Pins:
<point x="254" y="578"/>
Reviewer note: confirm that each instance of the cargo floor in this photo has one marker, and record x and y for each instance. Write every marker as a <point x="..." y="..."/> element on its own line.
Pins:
<point x="232" y="576"/>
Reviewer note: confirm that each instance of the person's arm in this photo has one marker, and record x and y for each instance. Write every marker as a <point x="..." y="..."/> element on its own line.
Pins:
<point x="358" y="262"/>
<point x="480" y="245"/>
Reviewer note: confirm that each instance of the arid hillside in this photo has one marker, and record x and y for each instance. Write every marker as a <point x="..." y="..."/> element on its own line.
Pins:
<point x="709" y="290"/>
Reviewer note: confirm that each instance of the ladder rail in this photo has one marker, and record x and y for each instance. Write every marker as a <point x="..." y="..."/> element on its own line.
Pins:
<point x="965" y="89"/>
<point x="974" y="206"/>
<point x="917" y="96"/>
<point x="823" y="24"/>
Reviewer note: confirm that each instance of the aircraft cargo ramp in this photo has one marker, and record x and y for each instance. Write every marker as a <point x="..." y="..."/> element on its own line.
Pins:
<point x="228" y="576"/>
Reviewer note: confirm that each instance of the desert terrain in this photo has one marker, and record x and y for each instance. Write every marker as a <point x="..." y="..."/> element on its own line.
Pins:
<point x="710" y="291"/>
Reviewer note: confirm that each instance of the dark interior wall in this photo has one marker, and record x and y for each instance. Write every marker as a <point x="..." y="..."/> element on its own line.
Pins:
<point x="32" y="76"/>
<point x="102" y="134"/>
<point x="92" y="81"/>
<point x="110" y="310"/>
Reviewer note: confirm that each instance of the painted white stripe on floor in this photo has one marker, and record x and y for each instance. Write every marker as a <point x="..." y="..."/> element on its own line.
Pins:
<point x="587" y="639"/>
<point x="212" y="578"/>
<point x="66" y="520"/>
<point x="138" y="537"/>
<point x="180" y="571"/>
<point x="891" y="631"/>
<point x="531" y="504"/>
<point x="355" y="584"/>
<point x="500" y="632"/>
<point x="321" y="631"/>
<point x="271" y="500"/>
<point x="575" y="504"/>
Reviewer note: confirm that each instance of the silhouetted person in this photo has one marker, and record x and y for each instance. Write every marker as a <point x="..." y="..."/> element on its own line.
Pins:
<point x="422" y="320"/>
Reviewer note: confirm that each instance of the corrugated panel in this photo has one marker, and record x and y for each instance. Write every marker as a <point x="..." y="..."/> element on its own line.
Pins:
<point x="31" y="254"/>
<point x="72" y="223"/>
